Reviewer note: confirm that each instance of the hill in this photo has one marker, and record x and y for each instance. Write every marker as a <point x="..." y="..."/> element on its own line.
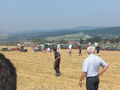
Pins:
<point x="72" y="33"/>
<point x="77" y="36"/>
<point x="104" y="32"/>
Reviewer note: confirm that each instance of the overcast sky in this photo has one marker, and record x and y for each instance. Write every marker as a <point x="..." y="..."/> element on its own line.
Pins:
<point x="57" y="14"/>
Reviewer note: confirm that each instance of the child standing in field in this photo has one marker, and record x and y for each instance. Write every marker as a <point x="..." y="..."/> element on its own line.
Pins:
<point x="56" y="62"/>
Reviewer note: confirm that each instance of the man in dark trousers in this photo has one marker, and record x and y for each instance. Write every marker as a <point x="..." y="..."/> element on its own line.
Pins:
<point x="90" y="69"/>
<point x="79" y="53"/>
<point x="57" y="62"/>
<point x="98" y="49"/>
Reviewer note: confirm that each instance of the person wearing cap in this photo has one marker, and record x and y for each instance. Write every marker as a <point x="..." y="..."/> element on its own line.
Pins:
<point x="90" y="69"/>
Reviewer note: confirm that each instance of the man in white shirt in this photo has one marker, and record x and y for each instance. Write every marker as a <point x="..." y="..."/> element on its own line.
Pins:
<point x="58" y="48"/>
<point x="70" y="49"/>
<point x="96" y="44"/>
<point x="90" y="69"/>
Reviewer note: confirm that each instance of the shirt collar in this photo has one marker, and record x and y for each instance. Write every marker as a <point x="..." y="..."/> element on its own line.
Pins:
<point x="91" y="55"/>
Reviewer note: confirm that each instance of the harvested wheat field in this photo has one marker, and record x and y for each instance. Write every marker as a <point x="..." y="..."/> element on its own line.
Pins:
<point x="35" y="70"/>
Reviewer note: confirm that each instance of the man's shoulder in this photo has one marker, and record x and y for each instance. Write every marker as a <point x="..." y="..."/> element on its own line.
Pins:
<point x="95" y="56"/>
<point x="91" y="57"/>
<point x="86" y="60"/>
<point x="57" y="53"/>
<point x="98" y="57"/>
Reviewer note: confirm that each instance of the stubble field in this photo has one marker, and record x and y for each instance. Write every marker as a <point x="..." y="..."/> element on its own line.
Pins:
<point x="35" y="70"/>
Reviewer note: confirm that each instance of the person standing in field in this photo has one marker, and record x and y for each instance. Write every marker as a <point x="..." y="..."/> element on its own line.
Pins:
<point x="90" y="69"/>
<point x="89" y="44"/>
<point x="79" y="47"/>
<point x="97" y="47"/>
<point x="56" y="62"/>
<point x="70" y="49"/>
<point x="58" y="48"/>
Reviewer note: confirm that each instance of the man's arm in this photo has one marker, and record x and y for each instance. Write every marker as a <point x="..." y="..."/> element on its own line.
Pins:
<point x="57" y="58"/>
<point x="103" y="70"/>
<point x="104" y="66"/>
<point x="83" y="75"/>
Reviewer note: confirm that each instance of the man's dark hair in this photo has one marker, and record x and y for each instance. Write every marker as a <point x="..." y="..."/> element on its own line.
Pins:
<point x="8" y="76"/>
<point x="54" y="49"/>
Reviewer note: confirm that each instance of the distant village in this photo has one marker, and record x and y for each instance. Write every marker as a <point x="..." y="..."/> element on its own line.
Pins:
<point x="41" y="44"/>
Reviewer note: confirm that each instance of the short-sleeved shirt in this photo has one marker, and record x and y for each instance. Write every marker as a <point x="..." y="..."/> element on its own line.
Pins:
<point x="57" y="54"/>
<point x="70" y="46"/>
<point x="92" y="64"/>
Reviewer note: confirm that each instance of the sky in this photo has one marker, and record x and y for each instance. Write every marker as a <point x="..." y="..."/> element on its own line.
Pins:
<point x="16" y="15"/>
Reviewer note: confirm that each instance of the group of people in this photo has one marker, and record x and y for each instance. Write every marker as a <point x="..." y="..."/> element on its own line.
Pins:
<point x="70" y="49"/>
<point x="90" y="68"/>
